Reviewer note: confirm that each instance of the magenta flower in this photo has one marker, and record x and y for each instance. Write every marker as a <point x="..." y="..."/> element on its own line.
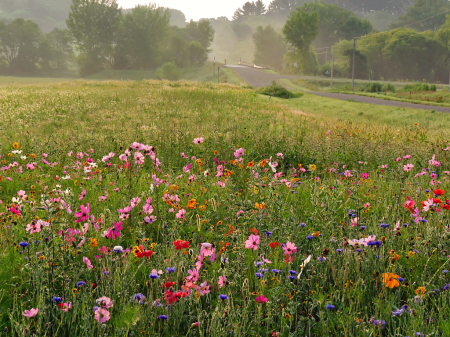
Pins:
<point x="88" y="262"/>
<point x="84" y="214"/>
<point x="30" y="313"/>
<point x="104" y="302"/>
<point x="261" y="299"/>
<point x="102" y="315"/>
<point x="181" y="214"/>
<point x="114" y="232"/>
<point x="408" y="167"/>
<point x="65" y="306"/>
<point x="239" y="152"/>
<point x="198" y="140"/>
<point x="222" y="281"/>
<point x="252" y="242"/>
<point x="289" y="248"/>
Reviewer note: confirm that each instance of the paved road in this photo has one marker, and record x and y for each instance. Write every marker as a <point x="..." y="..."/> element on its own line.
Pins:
<point x="259" y="78"/>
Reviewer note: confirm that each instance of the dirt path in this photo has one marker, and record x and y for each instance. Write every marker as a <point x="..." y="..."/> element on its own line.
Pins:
<point x="259" y="78"/>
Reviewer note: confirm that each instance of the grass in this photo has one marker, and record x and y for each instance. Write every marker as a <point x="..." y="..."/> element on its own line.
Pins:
<point x="7" y="80"/>
<point x="208" y="229"/>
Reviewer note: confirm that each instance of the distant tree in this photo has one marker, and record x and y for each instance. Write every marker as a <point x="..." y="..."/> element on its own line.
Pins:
<point x="424" y="9"/>
<point x="249" y="9"/>
<point x="94" y="25"/>
<point x="242" y="30"/>
<point x="177" y="18"/>
<point x="301" y="29"/>
<point x="55" y="50"/>
<point x="197" y="54"/>
<point x="141" y="33"/>
<point x="201" y="31"/>
<point x="270" y="47"/>
<point x="284" y="6"/>
<point x="361" y="70"/>
<point x="336" y="23"/>
<point x="19" y="45"/>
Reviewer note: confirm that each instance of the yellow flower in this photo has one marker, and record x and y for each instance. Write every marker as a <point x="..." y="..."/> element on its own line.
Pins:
<point x="93" y="242"/>
<point x="312" y="167"/>
<point x="15" y="145"/>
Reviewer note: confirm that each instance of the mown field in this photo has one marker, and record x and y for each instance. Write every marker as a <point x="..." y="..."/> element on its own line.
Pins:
<point x="160" y="208"/>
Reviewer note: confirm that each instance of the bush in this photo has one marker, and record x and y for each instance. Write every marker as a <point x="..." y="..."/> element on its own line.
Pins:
<point x="417" y="87"/>
<point x="388" y="87"/>
<point x="277" y="90"/>
<point x="433" y="87"/>
<point x="373" y="87"/>
<point x="168" y="71"/>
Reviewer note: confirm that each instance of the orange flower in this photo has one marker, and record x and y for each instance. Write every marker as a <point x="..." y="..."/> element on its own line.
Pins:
<point x="173" y="187"/>
<point x="316" y="234"/>
<point x="262" y="163"/>
<point x="390" y="280"/>
<point x="420" y="291"/>
<point x="202" y="208"/>
<point x="192" y="204"/>
<point x="250" y="164"/>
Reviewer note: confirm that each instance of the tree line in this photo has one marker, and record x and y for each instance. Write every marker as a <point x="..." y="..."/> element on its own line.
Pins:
<point x="419" y="51"/>
<point x="100" y="36"/>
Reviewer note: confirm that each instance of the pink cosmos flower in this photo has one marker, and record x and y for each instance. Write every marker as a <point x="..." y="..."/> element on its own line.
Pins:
<point x="407" y="156"/>
<point x="252" y="242"/>
<point x="408" y="167"/>
<point x="84" y="214"/>
<point x="65" y="306"/>
<point x="222" y="281"/>
<point x="203" y="289"/>
<point x="187" y="168"/>
<point x="261" y="299"/>
<point x="181" y="214"/>
<point x="289" y="248"/>
<point x="30" y="313"/>
<point x="239" y="152"/>
<point x="279" y="154"/>
<point x="427" y="204"/>
<point x="114" y="232"/>
<point x="193" y="275"/>
<point x="88" y="262"/>
<point x="104" y="302"/>
<point x="198" y="140"/>
<point x="102" y="315"/>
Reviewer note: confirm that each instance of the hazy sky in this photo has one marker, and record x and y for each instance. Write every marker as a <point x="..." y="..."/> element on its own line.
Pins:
<point x="195" y="9"/>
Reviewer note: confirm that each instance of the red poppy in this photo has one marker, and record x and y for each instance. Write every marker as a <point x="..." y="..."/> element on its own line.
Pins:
<point x="274" y="244"/>
<point x="438" y="192"/>
<point x="180" y="244"/>
<point x="146" y="253"/>
<point x="436" y="201"/>
<point x="94" y="285"/>
<point x="254" y="231"/>
<point x="168" y="284"/>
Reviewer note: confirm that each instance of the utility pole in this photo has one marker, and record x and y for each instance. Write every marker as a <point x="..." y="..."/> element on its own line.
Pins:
<point x="218" y="75"/>
<point x="332" y="65"/>
<point x="353" y="68"/>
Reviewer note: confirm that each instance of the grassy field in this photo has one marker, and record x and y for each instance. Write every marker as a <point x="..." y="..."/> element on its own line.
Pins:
<point x="161" y="208"/>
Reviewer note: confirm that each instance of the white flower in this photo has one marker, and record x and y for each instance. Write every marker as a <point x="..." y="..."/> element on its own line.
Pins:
<point x="93" y="165"/>
<point x="17" y="151"/>
<point x="67" y="177"/>
<point x="23" y="157"/>
<point x="152" y="188"/>
<point x="58" y="186"/>
<point x="118" y="249"/>
<point x="16" y="200"/>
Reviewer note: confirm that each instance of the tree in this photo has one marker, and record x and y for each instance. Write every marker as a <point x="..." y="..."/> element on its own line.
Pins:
<point x="93" y="25"/>
<point x="336" y="23"/>
<point x="197" y="54"/>
<point x="284" y="6"/>
<point x="177" y="18"/>
<point x="270" y="47"/>
<point x="242" y="30"/>
<point x="55" y="50"/>
<point x="201" y="31"/>
<point x="361" y="69"/>
<point x="250" y="8"/>
<point x="141" y="33"/>
<point x="301" y="29"/>
<point x="19" y="45"/>
<point x="424" y="9"/>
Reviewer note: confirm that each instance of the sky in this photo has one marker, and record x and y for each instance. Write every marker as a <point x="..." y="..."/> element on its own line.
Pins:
<point x="194" y="9"/>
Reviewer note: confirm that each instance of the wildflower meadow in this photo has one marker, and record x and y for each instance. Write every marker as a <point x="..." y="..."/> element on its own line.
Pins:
<point x="187" y="209"/>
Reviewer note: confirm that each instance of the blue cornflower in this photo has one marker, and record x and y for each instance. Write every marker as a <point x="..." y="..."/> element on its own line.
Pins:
<point x="291" y="277"/>
<point x="359" y="250"/>
<point x="276" y="271"/>
<point x="81" y="283"/>
<point x="223" y="297"/>
<point x="258" y="263"/>
<point x="384" y="225"/>
<point x="321" y="258"/>
<point x="445" y="271"/>
<point x="153" y="276"/>
<point x="401" y="279"/>
<point x="57" y="299"/>
<point x="374" y="243"/>
<point x="163" y="317"/>
<point x="292" y="272"/>
<point x="170" y="270"/>
<point x="23" y="244"/>
<point x="310" y="237"/>
<point x="447" y="287"/>
<point x="138" y="297"/>
<point x="302" y="225"/>
<point x="329" y="306"/>
<point x="259" y="275"/>
<point x="339" y="251"/>
<point x="423" y="220"/>
<point x="268" y="233"/>
<point x="397" y="312"/>
<point x="363" y="227"/>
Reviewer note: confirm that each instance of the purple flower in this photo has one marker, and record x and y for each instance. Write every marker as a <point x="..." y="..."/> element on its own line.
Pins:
<point x="163" y="317"/>
<point x="81" y="283"/>
<point x="330" y="306"/>
<point x="276" y="271"/>
<point x="310" y="237"/>
<point x="223" y="297"/>
<point x="321" y="258"/>
<point x="339" y="251"/>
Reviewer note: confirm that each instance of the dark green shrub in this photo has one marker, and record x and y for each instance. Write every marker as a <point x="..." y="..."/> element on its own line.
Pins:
<point x="277" y="90"/>
<point x="388" y="87"/>
<point x="373" y="87"/>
